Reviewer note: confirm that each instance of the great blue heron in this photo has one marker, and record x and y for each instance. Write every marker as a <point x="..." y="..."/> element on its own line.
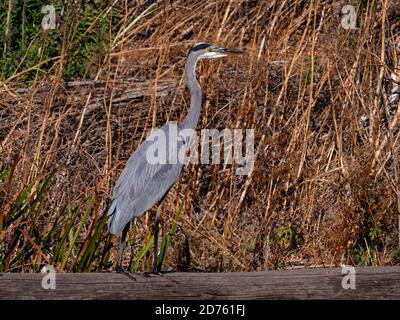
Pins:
<point x="142" y="184"/>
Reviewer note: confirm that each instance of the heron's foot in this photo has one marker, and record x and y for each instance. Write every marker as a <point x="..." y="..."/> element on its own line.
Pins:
<point x="148" y="274"/>
<point x="126" y="273"/>
<point x="119" y="268"/>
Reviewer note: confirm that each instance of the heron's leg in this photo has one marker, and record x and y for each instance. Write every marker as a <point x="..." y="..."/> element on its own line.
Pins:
<point x="155" y="232"/>
<point x="187" y="249"/>
<point x="122" y="247"/>
<point x="120" y="254"/>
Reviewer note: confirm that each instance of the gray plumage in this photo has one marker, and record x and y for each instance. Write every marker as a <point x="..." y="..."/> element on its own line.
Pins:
<point x="141" y="184"/>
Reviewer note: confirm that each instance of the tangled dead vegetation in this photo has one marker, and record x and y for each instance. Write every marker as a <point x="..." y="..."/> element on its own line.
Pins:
<point x="324" y="104"/>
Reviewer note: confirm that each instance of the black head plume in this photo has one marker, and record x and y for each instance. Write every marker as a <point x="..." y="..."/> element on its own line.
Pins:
<point x="199" y="46"/>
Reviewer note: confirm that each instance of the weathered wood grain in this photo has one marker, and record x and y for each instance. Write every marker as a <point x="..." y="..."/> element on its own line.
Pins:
<point x="321" y="283"/>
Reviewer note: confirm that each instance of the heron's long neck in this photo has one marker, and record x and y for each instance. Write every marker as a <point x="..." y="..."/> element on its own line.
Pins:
<point x="193" y="115"/>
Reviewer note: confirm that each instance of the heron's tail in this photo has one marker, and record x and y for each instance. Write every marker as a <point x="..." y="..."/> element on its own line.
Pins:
<point x="111" y="218"/>
<point x="117" y="217"/>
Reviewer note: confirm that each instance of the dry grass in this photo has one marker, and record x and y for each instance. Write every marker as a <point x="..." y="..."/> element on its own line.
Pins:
<point x="325" y="189"/>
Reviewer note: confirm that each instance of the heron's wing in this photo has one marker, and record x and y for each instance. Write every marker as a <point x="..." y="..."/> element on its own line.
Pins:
<point x="141" y="184"/>
<point x="139" y="171"/>
<point x="136" y="173"/>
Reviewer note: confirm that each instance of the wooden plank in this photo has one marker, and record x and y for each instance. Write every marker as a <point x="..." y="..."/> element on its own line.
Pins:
<point x="321" y="283"/>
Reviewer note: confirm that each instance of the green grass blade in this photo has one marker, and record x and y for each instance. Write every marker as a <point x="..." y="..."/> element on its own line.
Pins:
<point x="93" y="244"/>
<point x="145" y="249"/>
<point x="167" y="238"/>
<point x="78" y="230"/>
<point x="62" y="244"/>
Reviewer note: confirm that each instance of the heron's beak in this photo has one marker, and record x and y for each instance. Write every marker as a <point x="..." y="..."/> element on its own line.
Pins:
<point x="226" y="51"/>
<point x="218" y="52"/>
